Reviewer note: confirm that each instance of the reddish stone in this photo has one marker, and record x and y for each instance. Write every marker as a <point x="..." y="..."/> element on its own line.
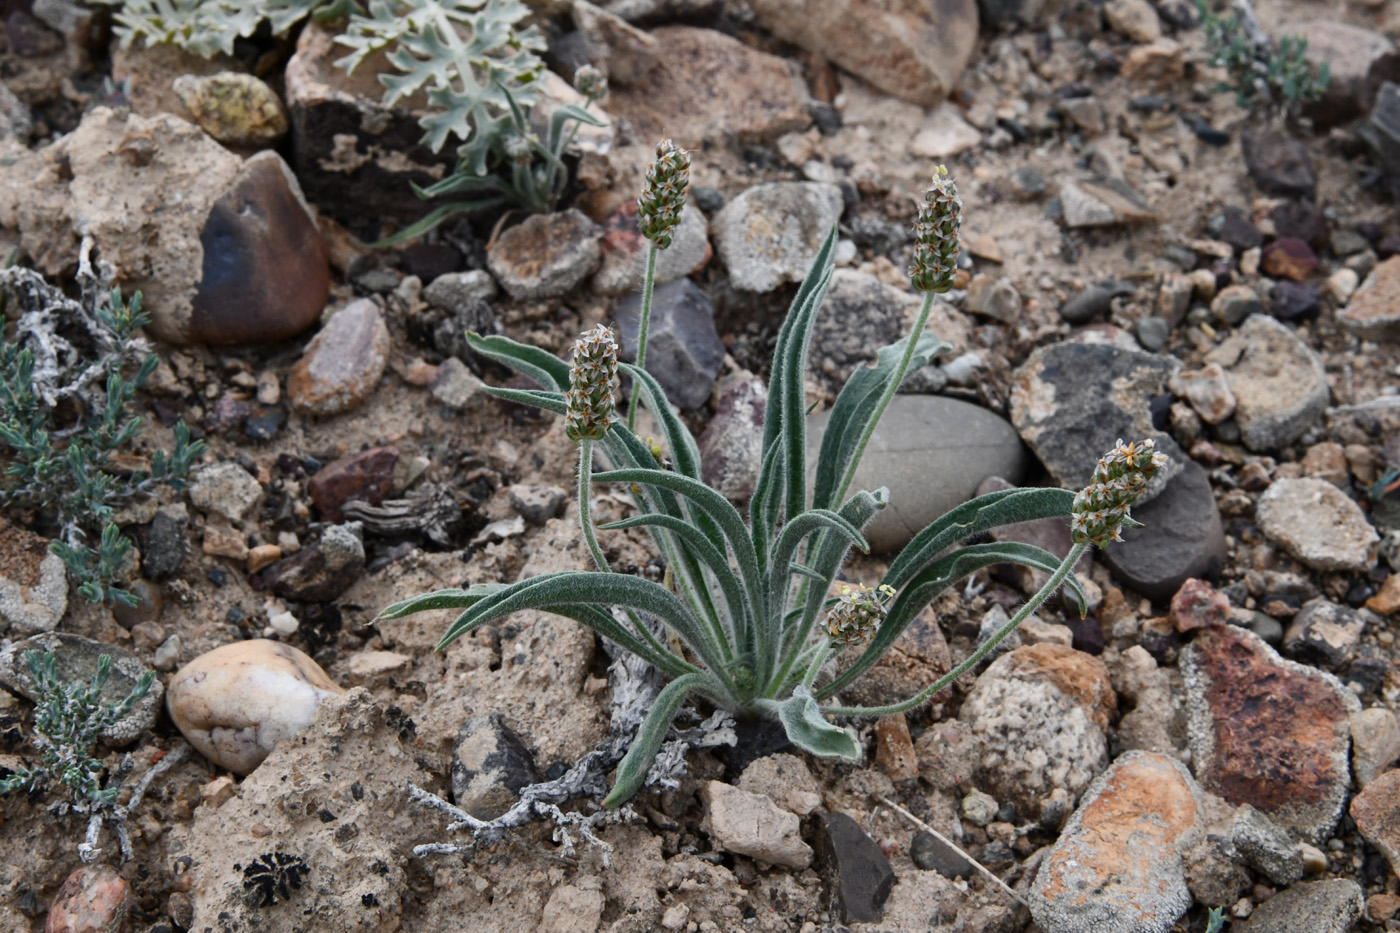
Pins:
<point x="1079" y="676"/>
<point x="1198" y="605"/>
<point x="1289" y="258"/>
<point x="367" y="475"/>
<point x="94" y="899"/>
<point x="1267" y="732"/>
<point x="1377" y="813"/>
<point x="894" y="748"/>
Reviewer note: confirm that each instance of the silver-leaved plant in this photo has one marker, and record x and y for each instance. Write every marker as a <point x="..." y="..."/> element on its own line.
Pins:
<point x="754" y="607"/>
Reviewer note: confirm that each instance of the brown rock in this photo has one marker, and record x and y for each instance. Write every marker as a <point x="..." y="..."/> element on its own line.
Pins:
<point x="1160" y="63"/>
<point x="320" y="571"/>
<point x="94" y="899"/>
<point x="913" y="49"/>
<point x="343" y="363"/>
<point x="1289" y="258"/>
<point x="153" y="70"/>
<point x="367" y="475"/>
<point x="33" y="581"/>
<point x="1117" y="867"/>
<point x="1077" y="675"/>
<point x="1377" y="813"/>
<point x="236" y="108"/>
<point x="1359" y="61"/>
<point x="1198" y="605"/>
<point x="1387" y="599"/>
<point x="894" y="749"/>
<point x="707" y="85"/>
<point x="1267" y="732"/>
<point x="1374" y="310"/>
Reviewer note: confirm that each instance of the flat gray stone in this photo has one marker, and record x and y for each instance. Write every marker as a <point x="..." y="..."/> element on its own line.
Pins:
<point x="1318" y="524"/>
<point x="1182" y="538"/>
<point x="1331" y="906"/>
<point x="546" y="255"/>
<point x="225" y="489"/>
<point x="1278" y="381"/>
<point x="932" y="453"/>
<point x="684" y="352"/>
<point x="770" y="234"/>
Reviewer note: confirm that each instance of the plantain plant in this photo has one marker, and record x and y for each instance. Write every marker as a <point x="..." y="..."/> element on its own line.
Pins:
<point x="753" y="612"/>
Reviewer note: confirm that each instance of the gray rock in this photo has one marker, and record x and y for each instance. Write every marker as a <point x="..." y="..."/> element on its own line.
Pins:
<point x="978" y="808"/>
<point x="1374" y="310"/>
<point x="1183" y="538"/>
<point x="33" y="583"/>
<point x="455" y="385"/>
<point x="731" y="446"/>
<point x="1071" y="402"/>
<point x="1332" y="906"/>
<point x="931" y="854"/>
<point x="857" y="873"/>
<point x="1152" y="332"/>
<point x="932" y="453"/>
<point x="1234" y="303"/>
<point x="751" y="824"/>
<point x="997" y="299"/>
<point x="16" y="123"/>
<point x="1025" y="12"/>
<point x="1214" y="873"/>
<point x="537" y="504"/>
<point x="770" y="234"/>
<point x="1278" y="380"/>
<point x="458" y="292"/>
<point x="1278" y="163"/>
<point x="76" y="661"/>
<point x="1318" y="524"/>
<point x="862" y="314"/>
<point x="546" y="255"/>
<point x="1086" y="304"/>
<point x="490" y="766"/>
<point x="1324" y="633"/>
<point x="166" y="542"/>
<point x="1266" y="846"/>
<point x="1375" y="743"/>
<point x="1103" y="203"/>
<point x="1358" y="62"/>
<point x="1381" y="132"/>
<point x="225" y="489"/>
<point x="624" y="251"/>
<point x="683" y="351"/>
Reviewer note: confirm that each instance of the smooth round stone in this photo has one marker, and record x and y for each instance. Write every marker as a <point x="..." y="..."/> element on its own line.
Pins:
<point x="932" y="453"/>
<point x="235" y="703"/>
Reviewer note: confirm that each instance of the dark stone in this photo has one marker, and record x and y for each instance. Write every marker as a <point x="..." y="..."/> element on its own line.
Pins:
<point x="1324" y="634"/>
<point x="1293" y="300"/>
<point x="430" y="260"/>
<point x="1210" y="135"/>
<point x="709" y="200"/>
<point x="490" y="766"/>
<point x="826" y="117"/>
<point x="1301" y="220"/>
<point x="367" y="476"/>
<point x="166" y="543"/>
<point x="266" y="274"/>
<point x="1331" y="906"/>
<point x="1152" y="332"/>
<point x="1087" y="304"/>
<point x="684" y="352"/>
<point x="755" y="739"/>
<point x="931" y="854"/>
<point x="1183" y="538"/>
<point x="1279" y="164"/>
<point x="227" y="412"/>
<point x="320" y="571"/>
<point x="264" y="424"/>
<point x="1267" y="628"/>
<point x="29" y="38"/>
<point x="857" y="872"/>
<point x="1088" y="633"/>
<point x="1289" y="258"/>
<point x="1238" y="230"/>
<point x="996" y="856"/>
<point x="147" y="609"/>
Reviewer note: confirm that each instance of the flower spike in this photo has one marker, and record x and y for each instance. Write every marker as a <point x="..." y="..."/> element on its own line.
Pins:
<point x="936" y="235"/>
<point x="1101" y="508"/>
<point x="663" y="197"/>
<point x="857" y="613"/>
<point x="591" y="380"/>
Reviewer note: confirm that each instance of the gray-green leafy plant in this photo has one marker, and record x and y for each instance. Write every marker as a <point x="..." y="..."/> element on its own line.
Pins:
<point x="208" y="27"/>
<point x="750" y="619"/>
<point x="68" y="379"/>
<point x="1262" y="78"/>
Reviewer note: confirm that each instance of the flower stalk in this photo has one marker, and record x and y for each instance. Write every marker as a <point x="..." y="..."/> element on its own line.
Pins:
<point x="659" y="213"/>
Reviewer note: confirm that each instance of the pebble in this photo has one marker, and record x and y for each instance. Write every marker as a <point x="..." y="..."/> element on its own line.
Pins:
<point x="1235" y="228"/>
<point x="76" y="660"/>
<point x="546" y="255"/>
<point x="1278" y="164"/>
<point x="931" y="452"/>
<point x="33" y="582"/>
<point x="1208" y="392"/>
<point x="1039" y="715"/>
<point x="1375" y="743"/>
<point x="167" y="541"/>
<point x="1266" y="846"/>
<point x="1386" y="600"/>
<point x="321" y="570"/>
<point x="1087" y="304"/>
<point x="490" y="766"/>
<point x="93" y="899"/>
<point x="1161" y="63"/>
<point x="1318" y="524"/>
<point x="1331" y="906"/>
<point x="770" y="234"/>
<point x="943" y="134"/>
<point x="1135" y="19"/>
<point x="1235" y="303"/>
<point x="377" y="668"/>
<point x="855" y="868"/>
<point x="684" y="352"/>
<point x="456" y="386"/>
<point x="1183" y="538"/>
<point x="236" y="702"/>
<point x="237" y="109"/>
<point x="1103" y="204"/>
<point x="625" y="249"/>
<point x="930" y="853"/>
<point x="1324" y="633"/>
<point x="342" y="365"/>
<point x="225" y="489"/>
<point x="1359" y="61"/>
<point x="750" y="824"/>
<point x="1291" y="301"/>
<point x="997" y="299"/>
<point x="1341" y="285"/>
<point x="572" y="909"/>
<point x="1267" y="732"/>
<point x="731" y="446"/>
<point x="367" y="475"/>
<point x="1072" y="401"/>
<point x="978" y="808"/>
<point x="1278" y="380"/>
<point x="460" y="292"/>
<point x="784" y="779"/>
<point x="536" y="504"/>
<point x="1117" y="867"/>
<point x="1374" y="309"/>
<point x="1289" y="258"/>
<point x="1198" y="605"/>
<point x="167" y="654"/>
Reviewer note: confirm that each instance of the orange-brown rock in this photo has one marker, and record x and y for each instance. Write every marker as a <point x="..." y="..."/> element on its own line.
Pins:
<point x="1377" y="813"/>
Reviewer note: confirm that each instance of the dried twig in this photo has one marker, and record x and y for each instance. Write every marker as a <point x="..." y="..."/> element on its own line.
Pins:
<point x="952" y="845"/>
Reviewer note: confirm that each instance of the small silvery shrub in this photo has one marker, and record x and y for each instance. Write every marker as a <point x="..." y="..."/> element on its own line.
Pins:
<point x="1263" y="78"/>
<point x="752" y="613"/>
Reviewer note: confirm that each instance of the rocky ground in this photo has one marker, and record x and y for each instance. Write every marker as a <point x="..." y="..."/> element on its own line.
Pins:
<point x="1142" y="258"/>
